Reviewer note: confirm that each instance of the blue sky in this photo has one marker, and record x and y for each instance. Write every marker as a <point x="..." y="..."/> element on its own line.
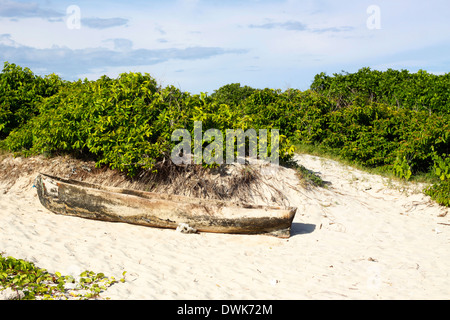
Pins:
<point x="201" y="45"/>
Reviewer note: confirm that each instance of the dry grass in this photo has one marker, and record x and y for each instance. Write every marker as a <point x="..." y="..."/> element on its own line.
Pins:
<point x="235" y="182"/>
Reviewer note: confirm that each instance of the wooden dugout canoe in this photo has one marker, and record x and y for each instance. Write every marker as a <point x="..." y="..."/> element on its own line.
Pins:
<point x="86" y="200"/>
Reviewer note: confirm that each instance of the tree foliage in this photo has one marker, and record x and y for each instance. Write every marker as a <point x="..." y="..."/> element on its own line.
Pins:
<point x="232" y="94"/>
<point x="416" y="91"/>
<point x="21" y="92"/>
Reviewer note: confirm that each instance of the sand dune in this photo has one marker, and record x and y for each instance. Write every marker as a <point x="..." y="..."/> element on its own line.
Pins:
<point x="364" y="237"/>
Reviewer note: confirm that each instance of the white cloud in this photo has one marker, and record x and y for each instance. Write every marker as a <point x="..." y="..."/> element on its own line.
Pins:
<point x="14" y="9"/>
<point x="73" y="62"/>
<point x="121" y="44"/>
<point x="103" y="23"/>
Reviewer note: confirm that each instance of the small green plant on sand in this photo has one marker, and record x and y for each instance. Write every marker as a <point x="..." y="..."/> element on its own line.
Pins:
<point x="38" y="284"/>
<point x="440" y="192"/>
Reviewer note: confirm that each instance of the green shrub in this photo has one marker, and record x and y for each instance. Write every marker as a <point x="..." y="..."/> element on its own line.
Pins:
<point x="415" y="91"/>
<point x="440" y="192"/>
<point x="232" y="94"/>
<point x="21" y="92"/>
<point x="124" y="123"/>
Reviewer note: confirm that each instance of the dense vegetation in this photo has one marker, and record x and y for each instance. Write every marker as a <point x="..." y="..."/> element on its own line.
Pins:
<point x="415" y="91"/>
<point x="394" y="121"/>
<point x="21" y="92"/>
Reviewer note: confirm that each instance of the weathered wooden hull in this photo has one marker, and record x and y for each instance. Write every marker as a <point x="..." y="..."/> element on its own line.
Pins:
<point x="81" y="199"/>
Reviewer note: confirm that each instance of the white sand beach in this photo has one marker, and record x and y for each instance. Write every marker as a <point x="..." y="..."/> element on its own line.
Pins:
<point x="363" y="237"/>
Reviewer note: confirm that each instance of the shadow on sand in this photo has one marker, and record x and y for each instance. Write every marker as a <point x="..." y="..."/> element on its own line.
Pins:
<point x="302" y="228"/>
